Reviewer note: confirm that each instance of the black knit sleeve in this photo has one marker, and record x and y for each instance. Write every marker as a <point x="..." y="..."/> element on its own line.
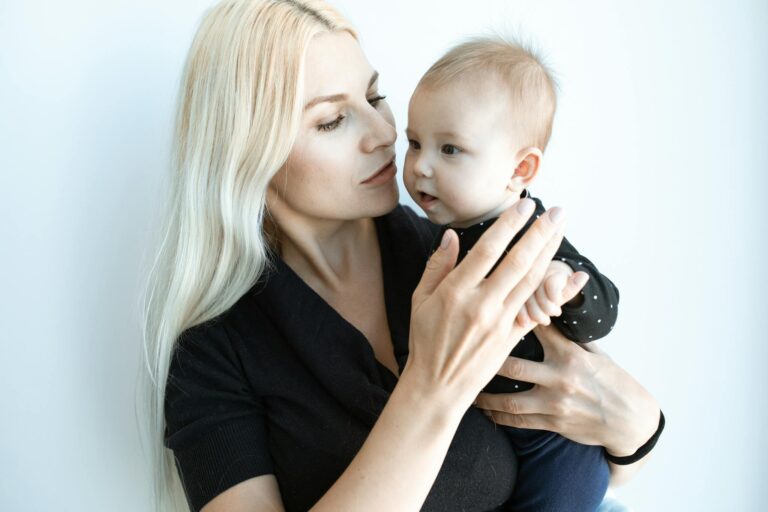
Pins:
<point x="215" y="423"/>
<point x="597" y="314"/>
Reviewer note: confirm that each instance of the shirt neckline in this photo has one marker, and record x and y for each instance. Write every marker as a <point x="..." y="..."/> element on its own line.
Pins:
<point x="282" y="287"/>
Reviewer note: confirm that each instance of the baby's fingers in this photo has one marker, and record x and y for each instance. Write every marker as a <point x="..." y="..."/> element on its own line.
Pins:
<point x="575" y="283"/>
<point x="549" y="294"/>
<point x="523" y="319"/>
<point x="535" y="311"/>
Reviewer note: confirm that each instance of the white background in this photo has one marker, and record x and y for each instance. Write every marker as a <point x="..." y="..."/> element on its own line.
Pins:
<point x="659" y="156"/>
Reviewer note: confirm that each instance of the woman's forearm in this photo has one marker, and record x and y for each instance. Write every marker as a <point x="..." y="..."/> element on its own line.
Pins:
<point x="622" y="474"/>
<point x="404" y="452"/>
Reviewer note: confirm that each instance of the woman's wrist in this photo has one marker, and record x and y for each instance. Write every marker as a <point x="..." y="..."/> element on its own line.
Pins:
<point x="634" y="428"/>
<point x="642" y="451"/>
<point x="436" y="399"/>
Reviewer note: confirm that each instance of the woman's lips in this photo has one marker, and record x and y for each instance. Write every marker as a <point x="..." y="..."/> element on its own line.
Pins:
<point x="427" y="201"/>
<point x="384" y="174"/>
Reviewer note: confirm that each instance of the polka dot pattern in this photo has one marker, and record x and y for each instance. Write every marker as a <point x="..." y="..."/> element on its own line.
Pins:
<point x="589" y="318"/>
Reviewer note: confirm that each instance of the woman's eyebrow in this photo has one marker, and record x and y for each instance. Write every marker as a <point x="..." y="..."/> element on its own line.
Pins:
<point x="337" y="97"/>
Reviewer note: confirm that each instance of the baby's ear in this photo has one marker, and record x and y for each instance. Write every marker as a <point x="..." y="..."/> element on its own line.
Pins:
<point x="528" y="161"/>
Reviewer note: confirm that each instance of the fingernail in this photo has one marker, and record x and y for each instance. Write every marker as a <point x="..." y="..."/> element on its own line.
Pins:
<point x="487" y="413"/>
<point x="525" y="206"/>
<point x="445" y="240"/>
<point x="556" y="214"/>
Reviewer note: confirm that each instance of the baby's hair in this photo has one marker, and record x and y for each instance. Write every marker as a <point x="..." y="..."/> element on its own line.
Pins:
<point x="517" y="67"/>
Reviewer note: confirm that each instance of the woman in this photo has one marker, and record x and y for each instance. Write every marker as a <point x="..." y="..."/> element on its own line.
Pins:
<point x="298" y="357"/>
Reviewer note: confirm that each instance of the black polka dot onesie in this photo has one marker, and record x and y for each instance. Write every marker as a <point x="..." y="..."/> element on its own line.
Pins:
<point x="555" y="473"/>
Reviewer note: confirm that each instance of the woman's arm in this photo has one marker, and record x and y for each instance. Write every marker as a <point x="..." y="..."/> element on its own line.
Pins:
<point x="401" y="457"/>
<point x="582" y="395"/>
<point x="462" y="328"/>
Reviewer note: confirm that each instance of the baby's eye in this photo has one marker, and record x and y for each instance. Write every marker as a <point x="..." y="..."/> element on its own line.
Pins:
<point x="450" y="149"/>
<point x="413" y="144"/>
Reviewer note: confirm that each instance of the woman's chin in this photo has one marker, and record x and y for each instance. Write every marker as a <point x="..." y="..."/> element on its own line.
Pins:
<point x="384" y="202"/>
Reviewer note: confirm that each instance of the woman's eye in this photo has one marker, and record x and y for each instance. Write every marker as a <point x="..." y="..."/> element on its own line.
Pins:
<point x="375" y="101"/>
<point x="450" y="149"/>
<point x="413" y="144"/>
<point x="330" y="126"/>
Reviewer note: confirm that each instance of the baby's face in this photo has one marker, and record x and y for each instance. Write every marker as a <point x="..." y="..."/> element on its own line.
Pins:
<point x="461" y="153"/>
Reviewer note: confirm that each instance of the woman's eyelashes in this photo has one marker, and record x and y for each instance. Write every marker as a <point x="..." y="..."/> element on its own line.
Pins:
<point x="375" y="100"/>
<point x="327" y="127"/>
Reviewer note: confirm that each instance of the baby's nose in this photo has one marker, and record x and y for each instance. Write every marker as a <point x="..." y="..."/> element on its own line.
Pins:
<point x="422" y="167"/>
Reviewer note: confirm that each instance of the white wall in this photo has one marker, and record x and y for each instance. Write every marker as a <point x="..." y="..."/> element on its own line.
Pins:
<point x="659" y="156"/>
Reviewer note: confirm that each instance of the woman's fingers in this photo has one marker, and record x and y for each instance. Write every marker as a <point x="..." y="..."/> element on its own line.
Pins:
<point x="529" y="421"/>
<point x="511" y="403"/>
<point x="438" y="265"/>
<point x="526" y="370"/>
<point x="552" y="340"/>
<point x="491" y="245"/>
<point x="525" y="269"/>
<point x="525" y="265"/>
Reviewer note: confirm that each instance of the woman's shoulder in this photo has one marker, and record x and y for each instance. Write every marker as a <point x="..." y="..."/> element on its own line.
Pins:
<point x="215" y="421"/>
<point x="197" y="353"/>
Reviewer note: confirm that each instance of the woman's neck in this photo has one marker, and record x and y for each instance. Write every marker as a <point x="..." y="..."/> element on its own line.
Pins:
<point x="326" y="253"/>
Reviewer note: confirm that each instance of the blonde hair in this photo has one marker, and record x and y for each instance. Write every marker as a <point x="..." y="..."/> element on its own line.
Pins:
<point x="515" y="66"/>
<point x="238" y="111"/>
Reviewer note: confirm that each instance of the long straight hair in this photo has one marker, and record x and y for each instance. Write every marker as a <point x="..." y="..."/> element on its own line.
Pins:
<point x="237" y="116"/>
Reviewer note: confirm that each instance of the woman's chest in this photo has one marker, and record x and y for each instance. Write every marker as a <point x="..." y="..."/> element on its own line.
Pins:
<point x="478" y="472"/>
<point x="362" y="304"/>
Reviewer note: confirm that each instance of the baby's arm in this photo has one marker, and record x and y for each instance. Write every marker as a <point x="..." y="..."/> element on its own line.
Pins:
<point x="590" y="315"/>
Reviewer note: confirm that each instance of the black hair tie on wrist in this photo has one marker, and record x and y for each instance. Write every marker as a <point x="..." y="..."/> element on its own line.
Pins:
<point x="642" y="451"/>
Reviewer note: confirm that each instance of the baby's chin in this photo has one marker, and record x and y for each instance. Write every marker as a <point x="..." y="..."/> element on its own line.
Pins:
<point x="439" y="213"/>
<point x="440" y="217"/>
<point x="435" y="217"/>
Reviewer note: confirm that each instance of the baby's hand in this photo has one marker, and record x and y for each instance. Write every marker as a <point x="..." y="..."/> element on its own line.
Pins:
<point x="560" y="285"/>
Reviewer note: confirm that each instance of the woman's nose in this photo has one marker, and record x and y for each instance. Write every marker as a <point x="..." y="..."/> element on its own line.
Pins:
<point x="380" y="133"/>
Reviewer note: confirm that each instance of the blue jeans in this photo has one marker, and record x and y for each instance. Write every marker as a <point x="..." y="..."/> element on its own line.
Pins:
<point x="556" y="474"/>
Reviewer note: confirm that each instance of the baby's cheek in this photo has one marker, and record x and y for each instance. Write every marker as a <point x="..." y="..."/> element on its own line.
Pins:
<point x="470" y="202"/>
<point x="456" y="202"/>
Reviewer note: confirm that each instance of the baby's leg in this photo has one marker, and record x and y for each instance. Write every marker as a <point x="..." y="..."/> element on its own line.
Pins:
<point x="556" y="474"/>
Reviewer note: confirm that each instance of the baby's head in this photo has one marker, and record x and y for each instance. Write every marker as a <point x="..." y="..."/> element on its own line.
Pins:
<point x="478" y="123"/>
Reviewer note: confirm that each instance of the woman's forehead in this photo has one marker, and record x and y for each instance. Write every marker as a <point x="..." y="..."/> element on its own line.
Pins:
<point x="335" y="64"/>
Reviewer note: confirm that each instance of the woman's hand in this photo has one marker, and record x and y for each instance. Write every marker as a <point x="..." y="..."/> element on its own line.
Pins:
<point x="580" y="393"/>
<point x="462" y="323"/>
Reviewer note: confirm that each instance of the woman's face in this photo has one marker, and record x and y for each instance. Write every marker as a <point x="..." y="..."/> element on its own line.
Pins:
<point x="342" y="164"/>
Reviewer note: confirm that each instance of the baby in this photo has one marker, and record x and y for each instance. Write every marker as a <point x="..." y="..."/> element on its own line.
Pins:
<point x="478" y="123"/>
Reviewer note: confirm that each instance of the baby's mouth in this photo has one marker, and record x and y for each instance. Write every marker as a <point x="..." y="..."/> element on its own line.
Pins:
<point x="426" y="200"/>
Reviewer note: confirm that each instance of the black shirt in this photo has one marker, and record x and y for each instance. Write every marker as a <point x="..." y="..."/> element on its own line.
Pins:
<point x="281" y="383"/>
<point x="593" y="319"/>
